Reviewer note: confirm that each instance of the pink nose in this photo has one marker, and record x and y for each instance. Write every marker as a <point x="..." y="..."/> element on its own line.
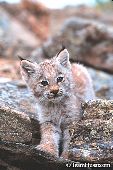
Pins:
<point x="54" y="89"/>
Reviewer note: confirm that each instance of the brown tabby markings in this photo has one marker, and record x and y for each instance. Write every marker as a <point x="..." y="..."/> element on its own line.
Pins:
<point x="59" y="89"/>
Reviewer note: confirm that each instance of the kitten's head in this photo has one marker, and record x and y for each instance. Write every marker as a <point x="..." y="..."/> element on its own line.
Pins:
<point x="49" y="80"/>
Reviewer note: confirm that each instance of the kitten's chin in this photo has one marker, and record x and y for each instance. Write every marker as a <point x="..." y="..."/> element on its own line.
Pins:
<point x="54" y="99"/>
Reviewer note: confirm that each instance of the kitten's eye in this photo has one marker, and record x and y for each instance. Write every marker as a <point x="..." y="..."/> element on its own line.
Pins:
<point x="59" y="79"/>
<point x="44" y="82"/>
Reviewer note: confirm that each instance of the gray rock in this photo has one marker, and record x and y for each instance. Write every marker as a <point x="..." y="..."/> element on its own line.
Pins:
<point x="88" y="42"/>
<point x="14" y="94"/>
<point x="102" y="83"/>
<point x="18" y="115"/>
<point x="15" y="126"/>
<point x="14" y="37"/>
<point x="92" y="137"/>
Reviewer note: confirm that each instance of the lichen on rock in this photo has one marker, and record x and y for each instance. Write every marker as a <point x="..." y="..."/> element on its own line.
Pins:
<point x="92" y="137"/>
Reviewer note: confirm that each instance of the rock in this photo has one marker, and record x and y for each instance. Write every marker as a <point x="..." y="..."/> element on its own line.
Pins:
<point x="27" y="157"/>
<point x="15" y="126"/>
<point x="91" y="141"/>
<point x="18" y="116"/>
<point x="10" y="68"/>
<point x="92" y="137"/>
<point x="16" y="100"/>
<point x="6" y="68"/>
<point x="102" y="83"/>
<point x="36" y="17"/>
<point x="14" y="94"/>
<point x="58" y="16"/>
<point x="23" y="26"/>
<point x="14" y="37"/>
<point x="88" y="42"/>
<point x="33" y="15"/>
<point x="4" y="80"/>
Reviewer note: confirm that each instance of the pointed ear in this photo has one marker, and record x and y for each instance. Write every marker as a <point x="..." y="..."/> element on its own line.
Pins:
<point x="27" y="69"/>
<point x="63" y="58"/>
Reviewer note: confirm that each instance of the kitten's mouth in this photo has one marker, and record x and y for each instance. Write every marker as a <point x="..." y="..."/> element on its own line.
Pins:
<point x="55" y="96"/>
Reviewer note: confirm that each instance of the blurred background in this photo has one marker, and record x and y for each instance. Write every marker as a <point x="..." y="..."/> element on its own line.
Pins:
<point x="36" y="29"/>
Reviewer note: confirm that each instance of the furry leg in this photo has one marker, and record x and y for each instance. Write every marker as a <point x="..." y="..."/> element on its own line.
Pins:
<point x="49" y="138"/>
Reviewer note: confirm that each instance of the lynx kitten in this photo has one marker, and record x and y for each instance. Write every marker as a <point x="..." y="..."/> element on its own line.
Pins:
<point x="59" y="89"/>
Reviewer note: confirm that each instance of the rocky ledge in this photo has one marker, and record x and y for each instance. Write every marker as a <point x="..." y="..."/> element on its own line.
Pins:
<point x="91" y="137"/>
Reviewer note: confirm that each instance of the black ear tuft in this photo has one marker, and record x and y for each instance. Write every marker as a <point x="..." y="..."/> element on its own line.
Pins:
<point x="21" y="58"/>
<point x="63" y="48"/>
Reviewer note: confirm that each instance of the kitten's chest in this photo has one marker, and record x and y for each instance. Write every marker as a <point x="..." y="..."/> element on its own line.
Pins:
<point x="55" y="112"/>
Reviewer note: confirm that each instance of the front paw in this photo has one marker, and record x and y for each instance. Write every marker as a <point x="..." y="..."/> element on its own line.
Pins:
<point x="49" y="148"/>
